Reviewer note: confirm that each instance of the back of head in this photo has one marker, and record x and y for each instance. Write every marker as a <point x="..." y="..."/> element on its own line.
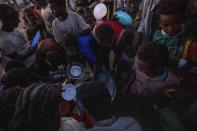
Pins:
<point x="7" y="105"/>
<point x="9" y="17"/>
<point x="36" y="109"/>
<point x="17" y="77"/>
<point x="14" y="64"/>
<point x="104" y="35"/>
<point x="96" y="99"/>
<point x="173" y="7"/>
<point x="55" y="58"/>
<point x="154" y="54"/>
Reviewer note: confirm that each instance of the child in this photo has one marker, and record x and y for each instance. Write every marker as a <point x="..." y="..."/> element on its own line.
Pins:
<point x="131" y="7"/>
<point x="71" y="48"/>
<point x="66" y="21"/>
<point x="152" y="76"/>
<point x="172" y="35"/>
<point x="125" y="56"/>
<point x="46" y="14"/>
<point x="12" y="40"/>
<point x="49" y="49"/>
<point x="97" y="101"/>
<point x="105" y="38"/>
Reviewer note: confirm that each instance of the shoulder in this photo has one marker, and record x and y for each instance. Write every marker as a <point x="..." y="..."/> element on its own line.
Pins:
<point x="70" y="124"/>
<point x="157" y="33"/>
<point x="72" y="13"/>
<point x="55" y="22"/>
<point x="128" y="120"/>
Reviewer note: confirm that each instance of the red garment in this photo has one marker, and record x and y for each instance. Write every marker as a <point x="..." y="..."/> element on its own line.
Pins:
<point x="190" y="80"/>
<point x="117" y="28"/>
<point x="191" y="52"/>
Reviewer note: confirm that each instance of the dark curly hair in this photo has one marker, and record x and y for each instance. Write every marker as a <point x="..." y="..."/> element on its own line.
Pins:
<point x="154" y="54"/>
<point x="105" y="34"/>
<point x="7" y="106"/>
<point x="9" y="16"/>
<point x="37" y="109"/>
<point x="175" y="7"/>
<point x="95" y="98"/>
<point x="58" y="2"/>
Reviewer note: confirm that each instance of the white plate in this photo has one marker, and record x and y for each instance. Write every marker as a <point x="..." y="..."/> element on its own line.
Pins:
<point x="69" y="92"/>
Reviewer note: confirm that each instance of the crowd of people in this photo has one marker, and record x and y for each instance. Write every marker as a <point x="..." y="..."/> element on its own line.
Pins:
<point x="148" y="48"/>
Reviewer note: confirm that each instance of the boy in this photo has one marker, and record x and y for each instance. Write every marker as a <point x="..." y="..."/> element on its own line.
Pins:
<point x="66" y="21"/>
<point x="46" y="14"/>
<point x="97" y="100"/>
<point x="12" y="40"/>
<point x="172" y="34"/>
<point x="105" y="39"/>
<point x="152" y="76"/>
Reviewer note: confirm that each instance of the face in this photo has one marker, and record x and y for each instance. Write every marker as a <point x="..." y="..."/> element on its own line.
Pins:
<point x="171" y="24"/>
<point x="131" y="7"/>
<point x="58" y="11"/>
<point x="146" y="69"/>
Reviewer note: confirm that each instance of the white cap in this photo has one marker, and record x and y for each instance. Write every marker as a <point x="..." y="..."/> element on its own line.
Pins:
<point x="100" y="11"/>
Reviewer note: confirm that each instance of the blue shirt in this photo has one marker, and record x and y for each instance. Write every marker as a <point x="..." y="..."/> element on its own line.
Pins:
<point x="84" y="43"/>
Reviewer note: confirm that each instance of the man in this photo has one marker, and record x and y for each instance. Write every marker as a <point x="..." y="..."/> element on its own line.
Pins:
<point x="66" y="21"/>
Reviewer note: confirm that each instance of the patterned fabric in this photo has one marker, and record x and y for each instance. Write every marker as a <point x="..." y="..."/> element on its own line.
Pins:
<point x="147" y="17"/>
<point x="175" y="44"/>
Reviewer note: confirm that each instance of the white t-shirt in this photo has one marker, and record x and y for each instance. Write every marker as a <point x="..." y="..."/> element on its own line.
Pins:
<point x="74" y="24"/>
<point x="48" y="18"/>
<point x="11" y="42"/>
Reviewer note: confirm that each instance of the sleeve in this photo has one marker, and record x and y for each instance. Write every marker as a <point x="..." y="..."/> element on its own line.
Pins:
<point x="56" y="32"/>
<point x="6" y="46"/>
<point x="81" y="23"/>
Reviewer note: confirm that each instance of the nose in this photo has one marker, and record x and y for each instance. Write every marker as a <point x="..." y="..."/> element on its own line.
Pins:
<point x="170" y="28"/>
<point x="132" y="6"/>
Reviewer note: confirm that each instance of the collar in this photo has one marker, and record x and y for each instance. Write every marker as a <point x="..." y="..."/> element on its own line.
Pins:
<point x="182" y="30"/>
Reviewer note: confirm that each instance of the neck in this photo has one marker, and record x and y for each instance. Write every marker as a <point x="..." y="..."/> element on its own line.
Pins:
<point x="63" y="17"/>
